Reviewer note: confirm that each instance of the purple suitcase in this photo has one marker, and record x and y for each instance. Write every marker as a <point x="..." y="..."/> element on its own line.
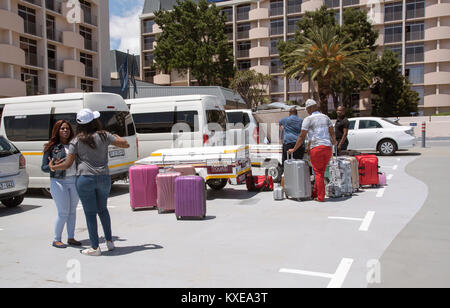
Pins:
<point x="190" y="197"/>
<point x="166" y="191"/>
<point x="143" y="193"/>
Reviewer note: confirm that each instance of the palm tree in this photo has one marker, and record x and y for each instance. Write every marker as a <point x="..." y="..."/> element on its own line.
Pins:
<point x="328" y="57"/>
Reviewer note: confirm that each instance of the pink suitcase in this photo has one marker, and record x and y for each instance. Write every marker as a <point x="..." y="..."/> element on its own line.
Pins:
<point x="185" y="170"/>
<point x="143" y="192"/>
<point x="165" y="183"/>
<point x="190" y="197"/>
<point x="382" y="179"/>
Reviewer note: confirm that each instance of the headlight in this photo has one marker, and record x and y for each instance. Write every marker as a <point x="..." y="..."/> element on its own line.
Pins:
<point x="410" y="132"/>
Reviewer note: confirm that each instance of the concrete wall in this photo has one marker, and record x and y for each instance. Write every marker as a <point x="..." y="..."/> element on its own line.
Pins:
<point x="435" y="126"/>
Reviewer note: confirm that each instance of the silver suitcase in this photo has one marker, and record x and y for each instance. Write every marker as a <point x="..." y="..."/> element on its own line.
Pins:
<point x="297" y="179"/>
<point x="278" y="193"/>
<point x="340" y="178"/>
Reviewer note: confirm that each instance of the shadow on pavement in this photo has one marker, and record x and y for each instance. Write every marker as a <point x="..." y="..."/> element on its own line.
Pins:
<point x="197" y="218"/>
<point x="37" y="193"/>
<point x="121" y="251"/>
<point x="119" y="190"/>
<point x="407" y="154"/>
<point x="5" y="211"/>
<point x="230" y="193"/>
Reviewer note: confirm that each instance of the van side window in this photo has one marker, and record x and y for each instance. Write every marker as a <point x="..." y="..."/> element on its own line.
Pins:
<point x="162" y="122"/>
<point x="352" y="125"/>
<point x="28" y="127"/>
<point x="238" y="117"/>
<point x="215" y="116"/>
<point x="117" y="122"/>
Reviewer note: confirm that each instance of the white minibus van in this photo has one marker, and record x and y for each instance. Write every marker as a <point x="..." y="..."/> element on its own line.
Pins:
<point x="178" y="122"/>
<point x="28" y="122"/>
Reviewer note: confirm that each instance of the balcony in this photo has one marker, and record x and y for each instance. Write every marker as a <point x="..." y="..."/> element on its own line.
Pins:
<point x="437" y="55"/>
<point x="259" y="33"/>
<point x="436" y="78"/>
<point x="54" y="35"/>
<point x="441" y="100"/>
<point x="34" y="60"/>
<point x="258" y="14"/>
<point x="89" y="18"/>
<point x="437" y="33"/>
<point x="90" y="45"/>
<point x="11" y="21"/>
<point x="263" y="69"/>
<point x="259" y="52"/>
<point x="161" y="79"/>
<point x="55" y="65"/>
<point x="437" y="10"/>
<point x="32" y="28"/>
<point x="12" y="55"/>
<point x="91" y="72"/>
<point x="73" y="68"/>
<point x="243" y="34"/>
<point x="73" y="40"/>
<point x="311" y="5"/>
<point x="242" y="53"/>
<point x="54" y="5"/>
<point x="10" y="87"/>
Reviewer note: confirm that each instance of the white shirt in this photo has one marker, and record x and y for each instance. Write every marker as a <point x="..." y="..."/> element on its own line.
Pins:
<point x="318" y="126"/>
<point x="72" y="171"/>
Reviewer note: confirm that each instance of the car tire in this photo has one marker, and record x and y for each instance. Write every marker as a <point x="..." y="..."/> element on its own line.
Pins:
<point x="387" y="147"/>
<point x="13" y="202"/>
<point x="217" y="184"/>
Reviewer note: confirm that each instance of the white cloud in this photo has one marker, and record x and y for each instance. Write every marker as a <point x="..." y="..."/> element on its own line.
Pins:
<point x="126" y="30"/>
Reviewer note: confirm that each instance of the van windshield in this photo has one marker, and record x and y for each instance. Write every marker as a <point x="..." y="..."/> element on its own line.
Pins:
<point x="118" y="122"/>
<point x="6" y="148"/>
<point x="238" y="117"/>
<point x="214" y="117"/>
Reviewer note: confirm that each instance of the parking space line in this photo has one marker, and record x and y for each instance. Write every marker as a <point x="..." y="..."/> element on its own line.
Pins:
<point x="380" y="192"/>
<point x="367" y="221"/>
<point x="395" y="167"/>
<point x="389" y="177"/>
<point x="337" y="279"/>
<point x="2" y="229"/>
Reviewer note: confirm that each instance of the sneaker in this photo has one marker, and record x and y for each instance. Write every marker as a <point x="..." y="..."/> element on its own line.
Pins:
<point x="110" y="245"/>
<point x="91" y="252"/>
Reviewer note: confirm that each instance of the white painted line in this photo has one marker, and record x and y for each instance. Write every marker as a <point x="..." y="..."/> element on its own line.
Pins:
<point x="367" y="221"/>
<point x="395" y="167"/>
<point x="380" y="192"/>
<point x="398" y="159"/>
<point x="345" y="218"/>
<point x="306" y="273"/>
<point x="2" y="230"/>
<point x="341" y="273"/>
<point x="389" y="177"/>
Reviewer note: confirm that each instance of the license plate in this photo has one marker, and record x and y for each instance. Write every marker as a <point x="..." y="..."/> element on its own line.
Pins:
<point x="6" y="185"/>
<point x="116" y="153"/>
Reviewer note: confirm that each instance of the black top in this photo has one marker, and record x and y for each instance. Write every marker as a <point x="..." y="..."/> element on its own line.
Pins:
<point x="339" y="127"/>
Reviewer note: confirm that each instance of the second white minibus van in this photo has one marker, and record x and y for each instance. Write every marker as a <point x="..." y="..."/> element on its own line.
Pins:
<point x="28" y="122"/>
<point x="178" y="121"/>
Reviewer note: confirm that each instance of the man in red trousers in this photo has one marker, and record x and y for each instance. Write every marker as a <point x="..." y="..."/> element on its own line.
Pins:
<point x="321" y="138"/>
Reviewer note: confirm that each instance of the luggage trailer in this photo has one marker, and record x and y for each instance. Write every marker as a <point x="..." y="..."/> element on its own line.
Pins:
<point x="217" y="165"/>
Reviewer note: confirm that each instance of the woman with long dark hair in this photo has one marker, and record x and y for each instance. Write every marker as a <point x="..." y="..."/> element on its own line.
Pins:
<point x="62" y="182"/>
<point x="90" y="150"/>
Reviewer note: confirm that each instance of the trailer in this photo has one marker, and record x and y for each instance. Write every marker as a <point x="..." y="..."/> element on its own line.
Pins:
<point x="217" y="165"/>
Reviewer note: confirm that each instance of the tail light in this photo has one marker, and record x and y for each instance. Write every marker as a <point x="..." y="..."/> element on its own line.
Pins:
<point x="137" y="147"/>
<point x="22" y="162"/>
<point x="205" y="139"/>
<point x="256" y="134"/>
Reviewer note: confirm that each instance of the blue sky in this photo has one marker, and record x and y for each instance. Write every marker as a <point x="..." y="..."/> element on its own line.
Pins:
<point x="124" y="24"/>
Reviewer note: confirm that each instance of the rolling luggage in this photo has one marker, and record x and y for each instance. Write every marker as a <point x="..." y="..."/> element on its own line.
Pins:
<point x="297" y="180"/>
<point x="259" y="183"/>
<point x="185" y="170"/>
<point x="190" y="197"/>
<point x="165" y="183"/>
<point x="382" y="179"/>
<point x="340" y="176"/>
<point x="368" y="169"/>
<point x="143" y="191"/>
<point x="355" y="172"/>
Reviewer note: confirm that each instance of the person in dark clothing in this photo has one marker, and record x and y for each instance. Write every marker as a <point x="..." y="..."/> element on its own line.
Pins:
<point x="341" y="129"/>
<point x="290" y="128"/>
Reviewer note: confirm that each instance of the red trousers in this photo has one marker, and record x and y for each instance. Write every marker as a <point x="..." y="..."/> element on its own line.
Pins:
<point x="320" y="157"/>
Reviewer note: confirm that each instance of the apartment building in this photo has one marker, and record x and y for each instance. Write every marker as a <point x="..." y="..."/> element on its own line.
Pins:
<point x="50" y="46"/>
<point x="418" y="30"/>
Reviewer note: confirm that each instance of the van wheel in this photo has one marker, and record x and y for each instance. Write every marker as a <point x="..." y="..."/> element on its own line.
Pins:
<point x="387" y="147"/>
<point x="217" y="184"/>
<point x="13" y="202"/>
<point x="46" y="192"/>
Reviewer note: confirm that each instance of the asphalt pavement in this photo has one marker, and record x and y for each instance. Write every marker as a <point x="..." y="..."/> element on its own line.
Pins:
<point x="248" y="240"/>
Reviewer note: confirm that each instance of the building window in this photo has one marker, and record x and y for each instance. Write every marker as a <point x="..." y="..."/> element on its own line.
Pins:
<point x="244" y="65"/>
<point x="294" y="6"/>
<point x="277" y="98"/>
<point x="52" y="84"/>
<point x="89" y="44"/>
<point x="149" y="74"/>
<point x="276" y="66"/>
<point x="332" y="3"/>
<point x="393" y="12"/>
<point x="393" y="33"/>
<point x="30" y="78"/>
<point x="415" y="31"/>
<point x="87" y="85"/>
<point x="243" y="49"/>
<point x="51" y="56"/>
<point x="277" y="84"/>
<point x="243" y="31"/>
<point x="414" y="53"/>
<point x="228" y="13"/>
<point x="276" y="7"/>
<point x="295" y="85"/>
<point x="148" y="26"/>
<point x="292" y="24"/>
<point x="148" y="42"/>
<point x="415" y="9"/>
<point x="415" y="74"/>
<point x="397" y="50"/>
<point x="242" y="12"/>
<point x="229" y="32"/>
<point x="51" y="29"/>
<point x="421" y="92"/>
<point x="274" y="46"/>
<point x="148" y="59"/>
<point x="29" y="18"/>
<point x="30" y="48"/>
<point x="350" y="2"/>
<point x="87" y="60"/>
<point x="276" y="27"/>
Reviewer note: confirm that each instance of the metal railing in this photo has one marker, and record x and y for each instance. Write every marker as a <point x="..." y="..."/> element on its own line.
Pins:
<point x="54" y="35"/>
<point x="54" y="64"/>
<point x="89" y="18"/>
<point x="54" y="5"/>
<point x="90" y="45"/>
<point x="32" y="28"/>
<point x="91" y="72"/>
<point x="33" y="59"/>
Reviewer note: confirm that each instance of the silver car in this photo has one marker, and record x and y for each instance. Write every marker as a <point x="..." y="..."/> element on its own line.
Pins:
<point x="13" y="175"/>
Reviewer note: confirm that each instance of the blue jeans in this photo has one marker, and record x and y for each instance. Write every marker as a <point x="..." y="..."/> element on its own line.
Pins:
<point x="94" y="192"/>
<point x="65" y="195"/>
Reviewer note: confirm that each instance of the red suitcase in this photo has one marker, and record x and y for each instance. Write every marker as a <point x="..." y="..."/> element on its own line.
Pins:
<point x="368" y="169"/>
<point x="166" y="191"/>
<point x="143" y="192"/>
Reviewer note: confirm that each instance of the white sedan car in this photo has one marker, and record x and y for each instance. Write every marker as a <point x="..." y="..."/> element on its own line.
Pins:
<point x="382" y="135"/>
<point x="13" y="175"/>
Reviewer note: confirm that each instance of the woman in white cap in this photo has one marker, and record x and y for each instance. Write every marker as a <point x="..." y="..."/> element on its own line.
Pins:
<point x="90" y="150"/>
<point x="321" y="138"/>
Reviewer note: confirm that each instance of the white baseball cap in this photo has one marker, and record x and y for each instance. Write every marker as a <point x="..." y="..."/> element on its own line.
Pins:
<point x="310" y="103"/>
<point x="86" y="116"/>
